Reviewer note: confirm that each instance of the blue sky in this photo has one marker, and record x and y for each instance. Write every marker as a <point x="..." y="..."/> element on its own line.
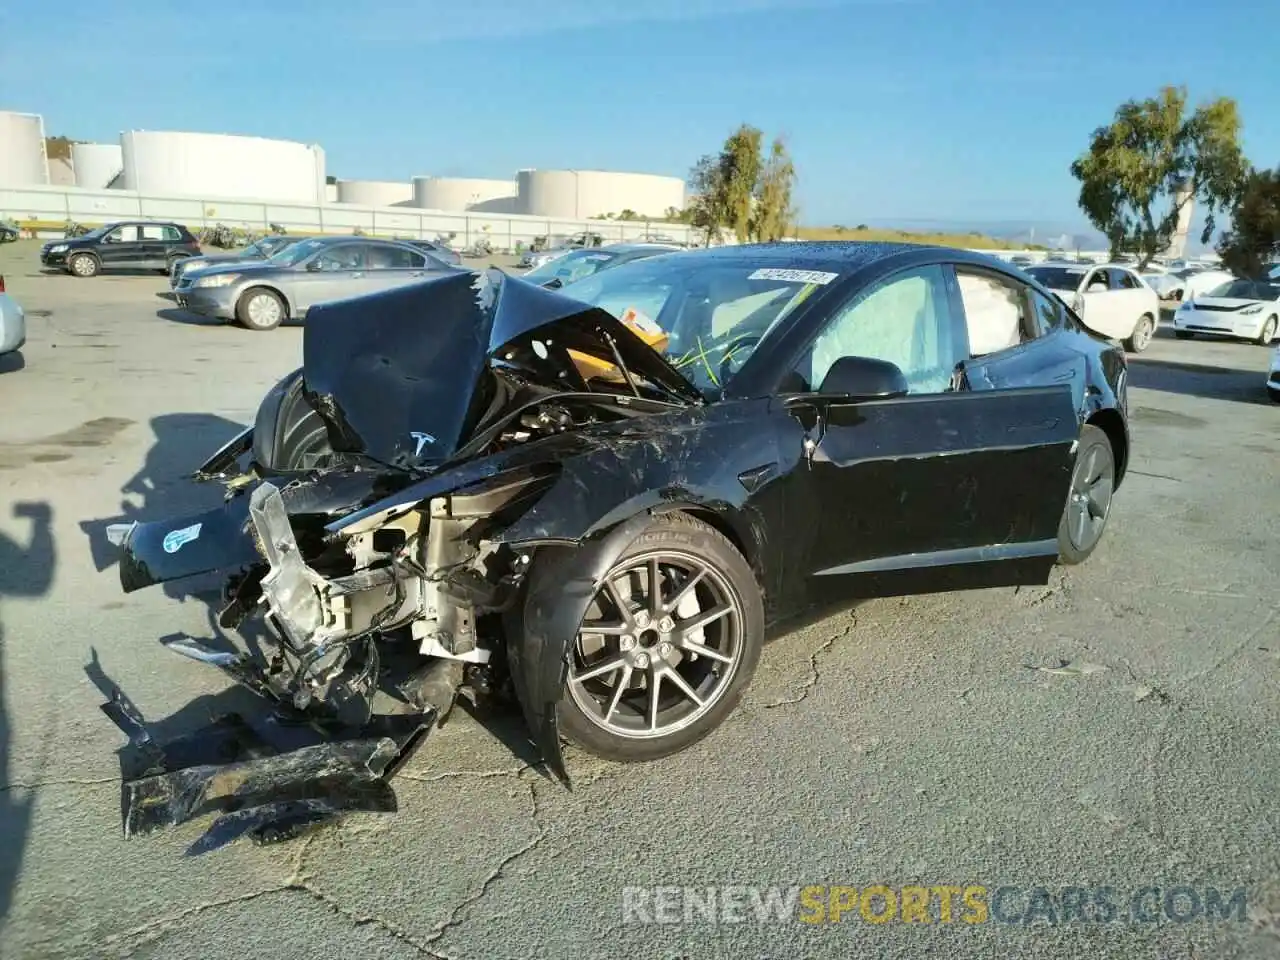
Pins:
<point x="908" y="111"/>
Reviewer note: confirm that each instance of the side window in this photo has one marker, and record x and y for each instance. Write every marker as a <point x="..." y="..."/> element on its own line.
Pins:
<point x="394" y="258"/>
<point x="151" y="231"/>
<point x="172" y="234"/>
<point x="905" y="319"/>
<point x="1097" y="281"/>
<point x="126" y="234"/>
<point x="997" y="313"/>
<point x="1127" y="280"/>
<point x="1046" y="313"/>
<point x="347" y="256"/>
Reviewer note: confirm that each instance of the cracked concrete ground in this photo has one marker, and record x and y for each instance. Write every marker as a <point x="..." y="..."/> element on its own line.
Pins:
<point x="1113" y="727"/>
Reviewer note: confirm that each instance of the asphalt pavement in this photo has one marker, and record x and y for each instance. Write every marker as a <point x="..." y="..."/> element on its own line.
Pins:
<point x="1115" y="728"/>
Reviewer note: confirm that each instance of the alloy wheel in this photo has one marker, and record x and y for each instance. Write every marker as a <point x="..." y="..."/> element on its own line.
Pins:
<point x="659" y="647"/>
<point x="1092" y="486"/>
<point x="264" y="310"/>
<point x="1268" y="332"/>
<point x="1143" y="335"/>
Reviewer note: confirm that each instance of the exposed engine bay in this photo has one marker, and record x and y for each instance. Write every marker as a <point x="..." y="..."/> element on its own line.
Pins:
<point x="356" y="541"/>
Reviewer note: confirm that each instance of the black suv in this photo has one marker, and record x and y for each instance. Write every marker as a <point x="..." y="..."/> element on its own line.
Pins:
<point x="129" y="244"/>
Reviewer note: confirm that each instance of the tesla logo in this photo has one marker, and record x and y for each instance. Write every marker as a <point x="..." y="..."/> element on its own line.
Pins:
<point x="422" y="440"/>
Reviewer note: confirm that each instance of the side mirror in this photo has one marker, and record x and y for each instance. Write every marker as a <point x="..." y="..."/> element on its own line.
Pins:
<point x="555" y="283"/>
<point x="864" y="378"/>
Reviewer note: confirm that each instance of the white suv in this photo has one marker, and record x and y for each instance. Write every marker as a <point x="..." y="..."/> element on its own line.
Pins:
<point x="1110" y="298"/>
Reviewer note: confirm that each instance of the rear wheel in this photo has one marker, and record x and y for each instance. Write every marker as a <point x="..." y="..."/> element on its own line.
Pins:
<point x="261" y="309"/>
<point x="667" y="647"/>
<point x="172" y="265"/>
<point x="1268" y="332"/>
<point x="1093" y="481"/>
<point x="84" y="265"/>
<point x="1143" y="333"/>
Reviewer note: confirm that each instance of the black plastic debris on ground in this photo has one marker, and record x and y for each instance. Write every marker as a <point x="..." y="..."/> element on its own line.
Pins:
<point x="270" y="780"/>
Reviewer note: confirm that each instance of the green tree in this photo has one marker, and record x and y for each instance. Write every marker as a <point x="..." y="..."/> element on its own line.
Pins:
<point x="774" y="214"/>
<point x="1253" y="243"/>
<point x="1152" y="158"/>
<point x="740" y="167"/>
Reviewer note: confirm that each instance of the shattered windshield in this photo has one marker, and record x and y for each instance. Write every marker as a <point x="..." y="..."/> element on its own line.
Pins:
<point x="705" y="319"/>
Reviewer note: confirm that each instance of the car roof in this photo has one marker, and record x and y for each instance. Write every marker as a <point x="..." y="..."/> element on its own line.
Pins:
<point x="836" y="256"/>
<point x="633" y="247"/>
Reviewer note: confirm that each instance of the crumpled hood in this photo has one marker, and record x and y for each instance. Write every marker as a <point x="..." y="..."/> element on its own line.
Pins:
<point x="394" y="374"/>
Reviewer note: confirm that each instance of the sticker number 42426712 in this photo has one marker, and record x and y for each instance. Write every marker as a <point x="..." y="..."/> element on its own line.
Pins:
<point x="794" y="276"/>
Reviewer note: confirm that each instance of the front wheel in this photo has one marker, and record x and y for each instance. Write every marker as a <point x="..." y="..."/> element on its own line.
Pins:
<point x="1093" y="481"/>
<point x="84" y="265"/>
<point x="668" y="645"/>
<point x="1143" y="333"/>
<point x="1268" y="333"/>
<point x="261" y="309"/>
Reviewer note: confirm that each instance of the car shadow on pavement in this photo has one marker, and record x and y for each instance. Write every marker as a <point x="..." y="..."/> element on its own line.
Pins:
<point x="1199" y="380"/>
<point x="174" y="315"/>
<point x="26" y="570"/>
<point x="12" y="362"/>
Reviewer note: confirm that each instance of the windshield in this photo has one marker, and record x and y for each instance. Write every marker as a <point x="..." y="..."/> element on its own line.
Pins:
<point x="571" y="267"/>
<point x="296" y="252"/>
<point x="98" y="232"/>
<point x="1058" y="278"/>
<point x="267" y="246"/>
<point x="706" y="320"/>
<point x="1246" y="290"/>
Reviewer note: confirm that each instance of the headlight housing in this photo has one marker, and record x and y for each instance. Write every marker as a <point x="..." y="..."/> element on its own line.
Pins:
<point x="217" y="280"/>
<point x="1256" y="308"/>
<point x="58" y="248"/>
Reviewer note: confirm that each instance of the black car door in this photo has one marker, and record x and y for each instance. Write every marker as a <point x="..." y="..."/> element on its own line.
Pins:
<point x="122" y="247"/>
<point x="941" y="478"/>
<point x="153" y="246"/>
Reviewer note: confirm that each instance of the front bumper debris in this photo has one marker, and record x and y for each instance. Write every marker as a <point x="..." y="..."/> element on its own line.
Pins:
<point x="270" y="780"/>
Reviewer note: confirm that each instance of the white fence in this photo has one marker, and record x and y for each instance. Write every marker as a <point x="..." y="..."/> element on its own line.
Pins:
<point x="46" y="209"/>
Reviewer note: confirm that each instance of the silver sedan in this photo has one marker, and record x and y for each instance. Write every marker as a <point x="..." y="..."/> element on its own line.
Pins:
<point x="264" y="294"/>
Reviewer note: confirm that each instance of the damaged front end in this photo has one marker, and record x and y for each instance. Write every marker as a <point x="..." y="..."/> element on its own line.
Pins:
<point x="368" y="534"/>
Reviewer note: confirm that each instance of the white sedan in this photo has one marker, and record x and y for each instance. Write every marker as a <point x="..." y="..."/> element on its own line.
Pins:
<point x="13" y="323"/>
<point x="1241" y="309"/>
<point x="1273" y="378"/>
<point x="1110" y="298"/>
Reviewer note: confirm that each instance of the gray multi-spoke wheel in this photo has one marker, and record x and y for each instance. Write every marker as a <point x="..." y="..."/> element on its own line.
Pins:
<point x="261" y="309"/>
<point x="1268" y="332"/>
<point x="1093" y="481"/>
<point x="84" y="265"/>
<point x="1143" y="333"/>
<point x="668" y="645"/>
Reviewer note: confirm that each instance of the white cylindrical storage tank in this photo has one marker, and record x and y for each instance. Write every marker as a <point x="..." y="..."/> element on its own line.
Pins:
<point x="582" y="194"/>
<point x="457" y="194"/>
<point x="222" y="165"/>
<point x="22" y="156"/>
<point x="374" y="193"/>
<point x="96" y="164"/>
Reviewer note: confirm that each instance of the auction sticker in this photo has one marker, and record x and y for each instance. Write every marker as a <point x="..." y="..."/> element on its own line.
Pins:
<point x="793" y="276"/>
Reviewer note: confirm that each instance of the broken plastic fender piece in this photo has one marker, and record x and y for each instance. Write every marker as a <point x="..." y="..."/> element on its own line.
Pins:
<point x="349" y="769"/>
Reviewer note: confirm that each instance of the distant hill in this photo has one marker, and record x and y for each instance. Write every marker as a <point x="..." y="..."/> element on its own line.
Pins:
<point x="975" y="241"/>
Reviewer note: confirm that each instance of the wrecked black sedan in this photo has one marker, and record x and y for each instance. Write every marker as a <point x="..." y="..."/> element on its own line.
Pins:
<point x="605" y="503"/>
